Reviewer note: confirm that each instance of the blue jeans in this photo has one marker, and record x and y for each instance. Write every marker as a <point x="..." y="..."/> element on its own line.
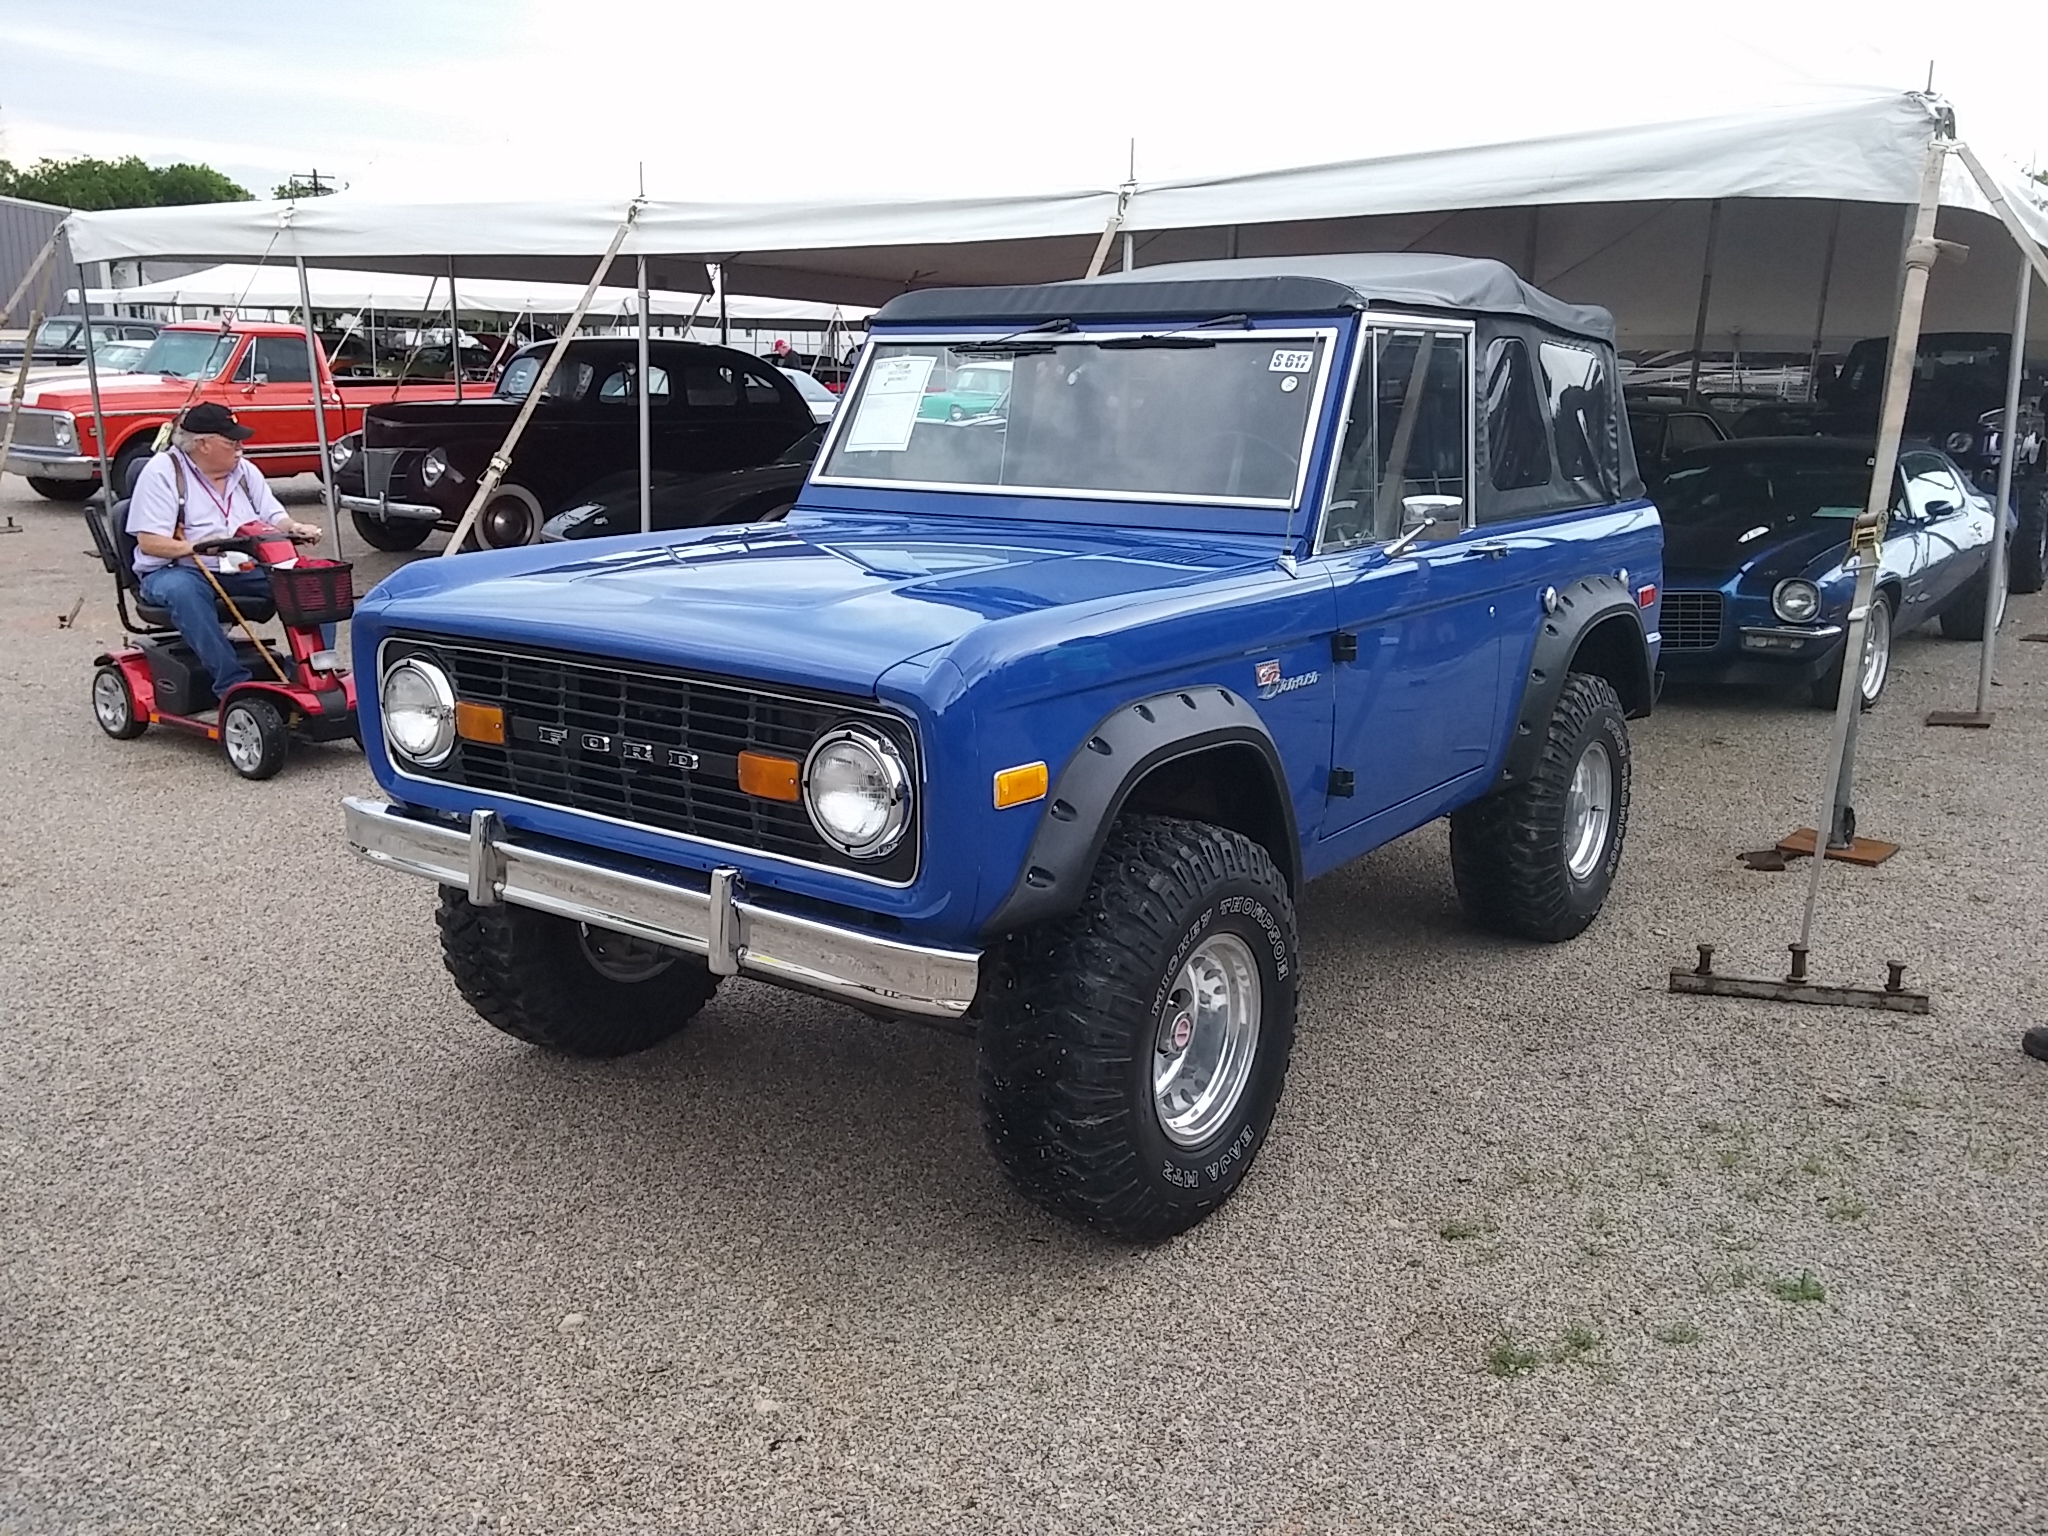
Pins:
<point x="184" y="592"/>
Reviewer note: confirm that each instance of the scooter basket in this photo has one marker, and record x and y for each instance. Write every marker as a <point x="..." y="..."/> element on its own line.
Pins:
<point x="313" y="592"/>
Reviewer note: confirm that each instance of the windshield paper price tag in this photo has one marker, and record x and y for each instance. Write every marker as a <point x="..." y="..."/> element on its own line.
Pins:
<point x="1292" y="362"/>
<point x="888" y="405"/>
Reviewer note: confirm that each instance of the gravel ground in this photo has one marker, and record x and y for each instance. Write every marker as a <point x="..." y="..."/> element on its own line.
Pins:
<point x="293" y="1242"/>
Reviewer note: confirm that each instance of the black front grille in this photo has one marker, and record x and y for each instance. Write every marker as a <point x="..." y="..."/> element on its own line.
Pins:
<point x="655" y="748"/>
<point x="1691" y="621"/>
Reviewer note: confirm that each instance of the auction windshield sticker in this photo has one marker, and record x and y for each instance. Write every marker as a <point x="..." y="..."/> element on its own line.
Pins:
<point x="888" y="405"/>
<point x="1291" y="361"/>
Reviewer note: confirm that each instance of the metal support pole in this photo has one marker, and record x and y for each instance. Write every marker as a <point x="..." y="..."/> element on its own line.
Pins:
<point x="724" y="320"/>
<point x="1866" y="541"/>
<point x="1820" y="317"/>
<point x="20" y="391"/>
<point x="1130" y="251"/>
<point x="640" y="391"/>
<point x="2008" y="432"/>
<point x="454" y="333"/>
<point x="320" y="382"/>
<point x="501" y="461"/>
<point x="108" y="490"/>
<point x="1699" y="324"/>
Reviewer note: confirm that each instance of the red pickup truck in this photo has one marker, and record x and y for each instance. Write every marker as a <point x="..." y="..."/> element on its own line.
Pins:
<point x="256" y="370"/>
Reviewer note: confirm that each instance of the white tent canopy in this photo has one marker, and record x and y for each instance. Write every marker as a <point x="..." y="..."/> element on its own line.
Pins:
<point x="1814" y="198"/>
<point x="243" y="286"/>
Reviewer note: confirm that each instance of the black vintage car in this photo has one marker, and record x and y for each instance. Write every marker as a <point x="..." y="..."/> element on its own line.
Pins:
<point x="758" y="495"/>
<point x="414" y="467"/>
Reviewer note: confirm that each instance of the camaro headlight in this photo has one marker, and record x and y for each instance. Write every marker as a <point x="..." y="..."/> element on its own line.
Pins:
<point x="433" y="466"/>
<point x="857" y="791"/>
<point x="1796" y="601"/>
<point x="419" y="711"/>
<point x="342" y="452"/>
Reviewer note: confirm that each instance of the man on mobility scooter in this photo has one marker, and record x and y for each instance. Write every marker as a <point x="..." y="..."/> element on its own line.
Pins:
<point x="192" y="509"/>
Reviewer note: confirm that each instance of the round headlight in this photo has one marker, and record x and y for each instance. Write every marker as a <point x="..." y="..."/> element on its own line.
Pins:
<point x="342" y="452"/>
<point x="419" y="711"/>
<point x="433" y="466"/>
<point x="857" y="791"/>
<point x="1796" y="601"/>
<point x="60" y="429"/>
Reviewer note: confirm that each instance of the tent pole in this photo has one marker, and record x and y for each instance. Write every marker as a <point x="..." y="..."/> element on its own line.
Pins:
<point x="1820" y="318"/>
<point x="2031" y="251"/>
<point x="92" y="379"/>
<point x="454" y="333"/>
<point x="1699" y="325"/>
<point x="28" y="355"/>
<point x="724" y="319"/>
<point x="501" y="461"/>
<point x="1130" y="251"/>
<point x="1866" y="543"/>
<point x="320" y="379"/>
<point x="2008" y="432"/>
<point x="640" y="393"/>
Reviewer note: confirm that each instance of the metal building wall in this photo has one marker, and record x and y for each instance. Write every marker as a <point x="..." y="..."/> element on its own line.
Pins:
<point x="24" y="226"/>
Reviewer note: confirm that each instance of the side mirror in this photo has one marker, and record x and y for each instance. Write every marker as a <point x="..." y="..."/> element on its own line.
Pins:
<point x="1421" y="511"/>
<point x="1939" y="509"/>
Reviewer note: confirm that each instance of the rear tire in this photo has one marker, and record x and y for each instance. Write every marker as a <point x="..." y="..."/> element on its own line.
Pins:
<point x="1536" y="861"/>
<point x="1963" y="618"/>
<point x="390" y="536"/>
<point x="62" y="490"/>
<point x="1132" y="1055"/>
<point x="2029" y="563"/>
<point x="113" y="705"/>
<point x="537" y="977"/>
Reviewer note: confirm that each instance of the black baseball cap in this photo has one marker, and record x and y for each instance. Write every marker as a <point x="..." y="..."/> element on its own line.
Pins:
<point x="211" y="420"/>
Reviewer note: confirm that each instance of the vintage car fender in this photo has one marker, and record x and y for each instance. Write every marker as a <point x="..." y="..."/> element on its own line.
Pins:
<point x="1097" y="780"/>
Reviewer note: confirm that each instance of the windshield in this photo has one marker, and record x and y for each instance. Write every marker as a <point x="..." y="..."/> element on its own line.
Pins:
<point x="809" y="387"/>
<point x="1197" y="415"/>
<point x="53" y="335"/>
<point x="1778" y="492"/>
<point x="187" y="354"/>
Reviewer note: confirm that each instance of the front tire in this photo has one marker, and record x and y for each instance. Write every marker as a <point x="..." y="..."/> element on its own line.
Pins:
<point x="1877" y="660"/>
<point x="567" y="986"/>
<point x="509" y="520"/>
<point x="113" y="705"/>
<point x="393" y="537"/>
<point x="1132" y="1055"/>
<point x="62" y="490"/>
<point x="253" y="737"/>
<point x="1536" y="861"/>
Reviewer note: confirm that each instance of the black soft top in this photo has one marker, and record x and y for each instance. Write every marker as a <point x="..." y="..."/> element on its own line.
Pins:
<point x="1272" y="285"/>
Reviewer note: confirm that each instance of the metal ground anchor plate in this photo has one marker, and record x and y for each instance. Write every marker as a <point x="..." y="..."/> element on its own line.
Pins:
<point x="1866" y="851"/>
<point x="1964" y="719"/>
<point x="1893" y="997"/>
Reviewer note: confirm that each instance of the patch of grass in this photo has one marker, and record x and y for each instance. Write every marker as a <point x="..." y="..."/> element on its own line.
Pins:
<point x="1721" y="1282"/>
<point x="1508" y="1357"/>
<point x="1576" y="1343"/>
<point x="1677" y="1333"/>
<point x="1805" y="1286"/>
<point x="1460" y="1229"/>
<point x="1845" y="1208"/>
<point x="1729" y="1158"/>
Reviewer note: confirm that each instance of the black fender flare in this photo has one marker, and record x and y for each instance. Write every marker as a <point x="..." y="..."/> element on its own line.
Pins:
<point x="1129" y="743"/>
<point x="1578" y="610"/>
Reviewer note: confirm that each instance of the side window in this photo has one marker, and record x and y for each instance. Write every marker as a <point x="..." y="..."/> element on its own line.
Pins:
<point x="284" y="361"/>
<point x="1405" y="436"/>
<point x="245" y="370"/>
<point x="618" y="384"/>
<point x="761" y="393"/>
<point x="710" y="386"/>
<point x="1517" y="446"/>
<point x="1691" y="432"/>
<point x="1929" y="486"/>
<point x="1581" y="418"/>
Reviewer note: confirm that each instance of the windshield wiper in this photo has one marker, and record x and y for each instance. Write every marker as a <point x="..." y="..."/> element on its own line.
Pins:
<point x="1150" y="340"/>
<point x="1009" y="344"/>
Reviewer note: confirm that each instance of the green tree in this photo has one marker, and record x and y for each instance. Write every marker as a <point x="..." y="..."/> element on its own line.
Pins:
<point x="89" y="182"/>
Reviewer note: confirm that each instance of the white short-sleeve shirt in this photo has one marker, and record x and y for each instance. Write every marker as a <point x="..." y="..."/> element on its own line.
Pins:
<point x="208" y="515"/>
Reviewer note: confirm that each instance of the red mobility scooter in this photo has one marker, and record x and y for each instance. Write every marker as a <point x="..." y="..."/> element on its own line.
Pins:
<point x="297" y="688"/>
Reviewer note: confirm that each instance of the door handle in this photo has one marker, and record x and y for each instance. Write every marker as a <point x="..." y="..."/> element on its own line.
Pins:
<point x="1491" y="551"/>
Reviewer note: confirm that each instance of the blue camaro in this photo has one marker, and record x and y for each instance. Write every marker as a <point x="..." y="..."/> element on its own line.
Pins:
<point x="1756" y="532"/>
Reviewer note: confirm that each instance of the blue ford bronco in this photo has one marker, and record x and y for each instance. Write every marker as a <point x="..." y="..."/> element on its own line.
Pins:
<point x="1039" y="720"/>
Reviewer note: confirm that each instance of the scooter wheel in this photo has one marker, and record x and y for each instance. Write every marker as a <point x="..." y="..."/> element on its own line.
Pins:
<point x="113" y="705"/>
<point x="253" y="737"/>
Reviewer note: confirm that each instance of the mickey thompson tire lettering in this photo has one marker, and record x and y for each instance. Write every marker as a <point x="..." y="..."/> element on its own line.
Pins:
<point x="1073" y="1014"/>
<point x="1508" y="851"/>
<point x="529" y="974"/>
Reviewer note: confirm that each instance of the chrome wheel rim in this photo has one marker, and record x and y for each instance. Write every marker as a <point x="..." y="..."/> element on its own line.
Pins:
<point x="243" y="739"/>
<point x="110" y="702"/>
<point x="1877" y="649"/>
<point x="1206" y="1041"/>
<point x="621" y="957"/>
<point x="1588" y="810"/>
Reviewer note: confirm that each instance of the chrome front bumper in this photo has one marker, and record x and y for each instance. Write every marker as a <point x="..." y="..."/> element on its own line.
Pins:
<point x="47" y="464"/>
<point x="387" y="511"/>
<point x="735" y="936"/>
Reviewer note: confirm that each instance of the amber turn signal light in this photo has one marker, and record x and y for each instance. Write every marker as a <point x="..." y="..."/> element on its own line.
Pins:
<point x="1021" y="785"/>
<point x="480" y="722"/>
<point x="771" y="778"/>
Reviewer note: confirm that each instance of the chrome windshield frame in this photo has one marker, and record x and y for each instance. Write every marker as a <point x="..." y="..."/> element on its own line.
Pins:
<point x="1330" y="335"/>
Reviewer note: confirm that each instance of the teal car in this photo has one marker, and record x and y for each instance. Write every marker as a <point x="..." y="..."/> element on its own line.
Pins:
<point x="976" y="389"/>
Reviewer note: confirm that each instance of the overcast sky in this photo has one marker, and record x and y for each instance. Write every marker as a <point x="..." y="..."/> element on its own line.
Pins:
<point x="467" y="98"/>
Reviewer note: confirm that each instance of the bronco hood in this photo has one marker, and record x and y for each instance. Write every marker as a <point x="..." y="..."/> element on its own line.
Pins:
<point x="819" y="604"/>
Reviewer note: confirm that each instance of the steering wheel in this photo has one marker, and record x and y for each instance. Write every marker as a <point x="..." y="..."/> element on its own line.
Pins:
<point x="226" y="546"/>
